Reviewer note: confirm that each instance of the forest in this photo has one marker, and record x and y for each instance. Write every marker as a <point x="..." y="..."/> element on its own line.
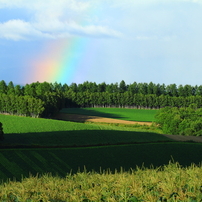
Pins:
<point x="44" y="99"/>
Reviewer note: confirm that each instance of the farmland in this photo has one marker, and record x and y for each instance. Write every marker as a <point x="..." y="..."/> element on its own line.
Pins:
<point x="41" y="146"/>
<point x="143" y="115"/>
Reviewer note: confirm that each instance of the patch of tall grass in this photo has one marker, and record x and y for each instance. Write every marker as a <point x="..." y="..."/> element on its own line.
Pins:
<point x="166" y="183"/>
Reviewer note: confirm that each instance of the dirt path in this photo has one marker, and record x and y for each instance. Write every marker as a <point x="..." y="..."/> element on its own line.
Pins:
<point x="182" y="138"/>
<point x="82" y="118"/>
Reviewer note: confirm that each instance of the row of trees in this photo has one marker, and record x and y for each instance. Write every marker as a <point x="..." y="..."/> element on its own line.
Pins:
<point x="21" y="105"/>
<point x="127" y="99"/>
<point x="180" y="121"/>
<point x="44" y="99"/>
<point x="37" y="89"/>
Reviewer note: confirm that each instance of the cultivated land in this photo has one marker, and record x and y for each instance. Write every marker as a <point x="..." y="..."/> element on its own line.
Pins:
<point x="143" y="115"/>
<point x="39" y="146"/>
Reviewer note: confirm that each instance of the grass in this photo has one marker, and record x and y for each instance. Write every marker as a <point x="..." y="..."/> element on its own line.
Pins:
<point x="144" y="115"/>
<point x="18" y="125"/>
<point x="16" y="163"/>
<point x="46" y="132"/>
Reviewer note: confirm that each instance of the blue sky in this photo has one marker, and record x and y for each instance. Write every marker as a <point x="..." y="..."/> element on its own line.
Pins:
<point x="130" y="40"/>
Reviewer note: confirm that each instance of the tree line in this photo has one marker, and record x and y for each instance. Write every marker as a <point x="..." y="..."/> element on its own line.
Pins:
<point x="43" y="99"/>
<point x="135" y="88"/>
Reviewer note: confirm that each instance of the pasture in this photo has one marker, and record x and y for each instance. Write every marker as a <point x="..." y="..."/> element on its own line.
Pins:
<point x="142" y="115"/>
<point x="24" y="131"/>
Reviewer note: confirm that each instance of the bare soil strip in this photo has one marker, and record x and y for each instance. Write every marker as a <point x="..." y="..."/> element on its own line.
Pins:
<point x="182" y="138"/>
<point x="85" y="118"/>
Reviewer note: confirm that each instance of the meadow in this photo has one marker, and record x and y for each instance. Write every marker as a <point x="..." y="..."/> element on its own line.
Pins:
<point x="97" y="162"/>
<point x="144" y="115"/>
<point x="24" y="131"/>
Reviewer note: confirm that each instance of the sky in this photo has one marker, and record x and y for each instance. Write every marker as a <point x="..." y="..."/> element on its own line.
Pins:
<point x="73" y="41"/>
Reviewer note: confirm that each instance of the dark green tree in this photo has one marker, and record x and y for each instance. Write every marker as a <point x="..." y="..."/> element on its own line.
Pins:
<point x="101" y="87"/>
<point x="133" y="88"/>
<point x="73" y="86"/>
<point x="18" y="90"/>
<point x="151" y="88"/>
<point x="3" y="87"/>
<point x="10" y="88"/>
<point x="122" y="87"/>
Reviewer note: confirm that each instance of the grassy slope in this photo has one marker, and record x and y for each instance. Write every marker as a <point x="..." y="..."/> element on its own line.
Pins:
<point x="117" y="113"/>
<point x="61" y="161"/>
<point x="18" y="162"/>
<point x="46" y="132"/>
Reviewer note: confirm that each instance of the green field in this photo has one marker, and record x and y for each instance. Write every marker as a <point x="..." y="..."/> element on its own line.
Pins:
<point x="46" y="132"/>
<point x="145" y="115"/>
<point x="15" y="163"/>
<point x="45" y="145"/>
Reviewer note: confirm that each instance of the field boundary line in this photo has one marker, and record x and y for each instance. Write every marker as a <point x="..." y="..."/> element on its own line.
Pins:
<point x="94" y="145"/>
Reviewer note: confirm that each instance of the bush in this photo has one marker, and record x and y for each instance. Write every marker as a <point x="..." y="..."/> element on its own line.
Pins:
<point x="180" y="121"/>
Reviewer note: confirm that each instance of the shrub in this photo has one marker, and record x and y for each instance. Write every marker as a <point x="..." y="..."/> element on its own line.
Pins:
<point x="180" y="121"/>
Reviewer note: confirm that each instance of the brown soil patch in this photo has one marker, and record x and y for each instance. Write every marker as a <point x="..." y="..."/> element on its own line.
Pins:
<point x="85" y="118"/>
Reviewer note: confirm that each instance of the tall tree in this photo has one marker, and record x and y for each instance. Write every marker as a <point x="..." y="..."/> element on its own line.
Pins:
<point x="101" y="87"/>
<point x="43" y="88"/>
<point x="133" y="88"/>
<point x="18" y="90"/>
<point x="73" y="86"/>
<point x="181" y="91"/>
<point x="10" y="88"/>
<point x="122" y="87"/>
<point x="3" y="87"/>
<point x="150" y="88"/>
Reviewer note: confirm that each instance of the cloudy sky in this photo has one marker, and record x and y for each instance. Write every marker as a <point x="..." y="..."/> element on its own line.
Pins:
<point x="101" y="41"/>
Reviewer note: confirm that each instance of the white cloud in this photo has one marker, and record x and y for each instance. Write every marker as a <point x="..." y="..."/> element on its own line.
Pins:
<point x="18" y="30"/>
<point x="51" y="19"/>
<point x="21" y="30"/>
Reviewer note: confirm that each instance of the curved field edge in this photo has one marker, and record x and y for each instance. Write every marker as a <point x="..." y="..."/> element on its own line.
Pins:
<point x="46" y="132"/>
<point x="141" y="115"/>
<point x="22" y="162"/>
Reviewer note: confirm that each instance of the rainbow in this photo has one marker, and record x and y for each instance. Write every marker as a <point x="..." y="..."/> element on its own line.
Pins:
<point x="60" y="61"/>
